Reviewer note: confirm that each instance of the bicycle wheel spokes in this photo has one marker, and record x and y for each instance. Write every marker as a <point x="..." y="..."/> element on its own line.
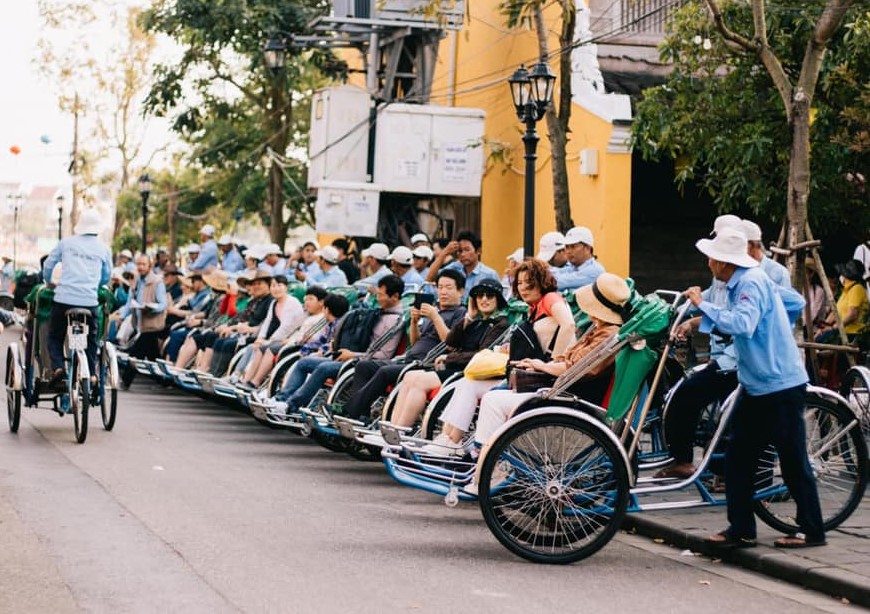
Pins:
<point x="838" y="457"/>
<point x="553" y="493"/>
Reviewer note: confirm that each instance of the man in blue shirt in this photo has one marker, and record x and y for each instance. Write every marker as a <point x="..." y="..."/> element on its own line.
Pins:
<point x="328" y="274"/>
<point x="148" y="302"/>
<point x="208" y="254"/>
<point x="583" y="267"/>
<point x="402" y="262"/>
<point x="232" y="261"/>
<point x="771" y="406"/>
<point x="271" y="260"/>
<point x="86" y="265"/>
<point x="466" y="249"/>
<point x="375" y="257"/>
<point x="776" y="272"/>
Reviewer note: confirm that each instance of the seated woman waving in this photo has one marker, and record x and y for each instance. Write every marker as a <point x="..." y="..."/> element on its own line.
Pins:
<point x="552" y="325"/>
<point x="481" y="327"/>
<point x="604" y="301"/>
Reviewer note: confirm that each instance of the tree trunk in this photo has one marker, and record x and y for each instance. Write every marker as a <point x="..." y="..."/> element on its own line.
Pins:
<point x="798" y="186"/>
<point x="557" y="124"/>
<point x="171" y="223"/>
<point x="278" y="125"/>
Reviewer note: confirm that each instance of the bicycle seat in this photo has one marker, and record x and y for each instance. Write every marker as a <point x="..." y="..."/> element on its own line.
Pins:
<point x="78" y="312"/>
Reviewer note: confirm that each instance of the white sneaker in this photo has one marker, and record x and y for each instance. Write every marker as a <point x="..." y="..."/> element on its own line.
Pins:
<point x="470" y="489"/>
<point x="278" y="408"/>
<point x="442" y="445"/>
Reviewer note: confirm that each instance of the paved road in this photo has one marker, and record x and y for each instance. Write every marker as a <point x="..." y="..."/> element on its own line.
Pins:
<point x="192" y="506"/>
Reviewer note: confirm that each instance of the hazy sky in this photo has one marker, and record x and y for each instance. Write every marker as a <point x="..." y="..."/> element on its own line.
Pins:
<point x="28" y="105"/>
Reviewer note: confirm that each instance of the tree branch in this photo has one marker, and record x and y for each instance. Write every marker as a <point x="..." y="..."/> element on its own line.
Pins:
<point x="768" y="58"/>
<point x="725" y="31"/>
<point x="224" y="77"/>
<point x="828" y="23"/>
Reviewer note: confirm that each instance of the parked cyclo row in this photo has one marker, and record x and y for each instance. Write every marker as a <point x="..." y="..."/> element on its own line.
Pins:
<point x="550" y="411"/>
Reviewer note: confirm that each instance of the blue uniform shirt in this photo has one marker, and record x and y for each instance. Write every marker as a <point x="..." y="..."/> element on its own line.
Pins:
<point x="87" y="264"/>
<point x="413" y="278"/>
<point x="374" y="278"/>
<point x="571" y="277"/>
<point x="208" y="257"/>
<point x="279" y="268"/>
<point x="756" y="317"/>
<point x="333" y="278"/>
<point x="233" y="262"/>
<point x="721" y="350"/>
<point x="777" y="273"/>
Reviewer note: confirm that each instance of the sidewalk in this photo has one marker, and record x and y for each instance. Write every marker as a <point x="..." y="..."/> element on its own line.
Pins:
<point x="840" y="569"/>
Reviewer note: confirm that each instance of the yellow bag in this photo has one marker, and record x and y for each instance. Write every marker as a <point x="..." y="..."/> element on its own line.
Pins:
<point x="486" y="364"/>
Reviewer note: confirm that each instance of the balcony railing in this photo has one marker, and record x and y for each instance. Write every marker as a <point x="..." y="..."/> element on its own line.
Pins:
<point x="646" y="16"/>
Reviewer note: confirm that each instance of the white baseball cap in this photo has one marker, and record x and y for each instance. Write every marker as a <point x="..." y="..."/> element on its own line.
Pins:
<point x="727" y="221"/>
<point x="423" y="252"/>
<point x="579" y="234"/>
<point x="550" y="243"/>
<point x="126" y="253"/>
<point x="751" y="230"/>
<point x="255" y="251"/>
<point x="225" y="240"/>
<point x="420" y="236"/>
<point x="378" y="251"/>
<point x="207" y="230"/>
<point x="271" y="248"/>
<point x="729" y="245"/>
<point x="192" y="248"/>
<point x="402" y="255"/>
<point x="329" y="254"/>
<point x="517" y="255"/>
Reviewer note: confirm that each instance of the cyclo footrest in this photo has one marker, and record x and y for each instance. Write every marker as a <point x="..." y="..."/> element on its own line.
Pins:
<point x="392" y="433"/>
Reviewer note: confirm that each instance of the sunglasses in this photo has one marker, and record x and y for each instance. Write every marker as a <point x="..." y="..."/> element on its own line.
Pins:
<point x="486" y="294"/>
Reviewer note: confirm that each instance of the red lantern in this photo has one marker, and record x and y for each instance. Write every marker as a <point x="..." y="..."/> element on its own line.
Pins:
<point x="15" y="150"/>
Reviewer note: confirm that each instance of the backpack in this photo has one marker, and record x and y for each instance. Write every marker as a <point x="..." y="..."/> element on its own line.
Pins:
<point x="354" y="331"/>
<point x="524" y="343"/>
<point x="23" y="286"/>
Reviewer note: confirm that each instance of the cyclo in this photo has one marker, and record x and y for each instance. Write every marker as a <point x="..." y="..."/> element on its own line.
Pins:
<point x="557" y="479"/>
<point x="28" y="367"/>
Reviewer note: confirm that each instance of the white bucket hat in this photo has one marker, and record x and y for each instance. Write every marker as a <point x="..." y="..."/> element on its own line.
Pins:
<point x="378" y="251"/>
<point x="90" y="223"/>
<point x="271" y="248"/>
<point x="402" y="255"/>
<point x="329" y="254"/>
<point x="550" y="243"/>
<point x="207" y="230"/>
<point x="728" y="246"/>
<point x="751" y="230"/>
<point x="579" y="234"/>
<point x="726" y="221"/>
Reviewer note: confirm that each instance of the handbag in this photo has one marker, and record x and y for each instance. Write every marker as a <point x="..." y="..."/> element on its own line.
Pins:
<point x="529" y="380"/>
<point x="486" y="364"/>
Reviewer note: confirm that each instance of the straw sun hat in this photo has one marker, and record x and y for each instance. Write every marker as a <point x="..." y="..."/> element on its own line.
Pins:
<point x="605" y="298"/>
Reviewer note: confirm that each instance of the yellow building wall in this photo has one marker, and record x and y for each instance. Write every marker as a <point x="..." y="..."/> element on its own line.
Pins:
<point x="472" y="71"/>
<point x="486" y="53"/>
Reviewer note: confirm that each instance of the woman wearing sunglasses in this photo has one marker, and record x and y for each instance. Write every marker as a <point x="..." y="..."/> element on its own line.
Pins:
<point x="484" y="322"/>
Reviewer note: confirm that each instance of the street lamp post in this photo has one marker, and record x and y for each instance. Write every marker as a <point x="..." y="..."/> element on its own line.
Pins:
<point x="275" y="53"/>
<point x="16" y="199"/>
<point x="532" y="92"/>
<point x="59" y="200"/>
<point x="144" y="192"/>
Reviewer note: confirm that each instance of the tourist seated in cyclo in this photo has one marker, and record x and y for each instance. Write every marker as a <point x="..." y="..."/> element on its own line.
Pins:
<point x="311" y="373"/>
<point x="604" y="301"/>
<point x="328" y="274"/>
<point x="483" y="325"/>
<point x="195" y="300"/>
<point x="284" y="316"/>
<point x="221" y="307"/>
<point x="430" y="326"/>
<point x="548" y="331"/>
<point x="312" y="322"/>
<point x="203" y="340"/>
<point x="219" y="347"/>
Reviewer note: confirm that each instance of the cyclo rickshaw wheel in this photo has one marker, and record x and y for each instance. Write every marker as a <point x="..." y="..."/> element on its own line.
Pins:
<point x="554" y="487"/>
<point x="80" y="402"/>
<point x="13" y="397"/>
<point x="108" y="396"/>
<point x="839" y="461"/>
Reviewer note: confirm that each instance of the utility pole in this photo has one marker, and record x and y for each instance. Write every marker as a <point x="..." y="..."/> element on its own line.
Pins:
<point x="74" y="164"/>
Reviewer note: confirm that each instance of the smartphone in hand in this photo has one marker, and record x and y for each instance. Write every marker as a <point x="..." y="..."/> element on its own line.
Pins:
<point x="423" y="298"/>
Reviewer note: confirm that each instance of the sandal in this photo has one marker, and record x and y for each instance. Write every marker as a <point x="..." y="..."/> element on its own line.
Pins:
<point x="797" y="541"/>
<point x="725" y="541"/>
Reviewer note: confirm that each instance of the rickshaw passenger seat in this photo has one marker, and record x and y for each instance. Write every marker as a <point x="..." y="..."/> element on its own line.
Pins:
<point x="79" y="312"/>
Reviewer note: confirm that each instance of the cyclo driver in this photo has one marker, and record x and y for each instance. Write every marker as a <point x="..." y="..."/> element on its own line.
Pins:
<point x="85" y="266"/>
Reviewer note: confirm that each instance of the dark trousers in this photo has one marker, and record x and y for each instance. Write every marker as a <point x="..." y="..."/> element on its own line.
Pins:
<point x="147" y="346"/>
<point x="684" y="411"/>
<point x="224" y="350"/>
<point x="57" y="334"/>
<point x="776" y="418"/>
<point x="370" y="381"/>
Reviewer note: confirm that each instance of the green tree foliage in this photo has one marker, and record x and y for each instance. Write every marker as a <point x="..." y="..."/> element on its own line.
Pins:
<point x="721" y="119"/>
<point x="248" y="126"/>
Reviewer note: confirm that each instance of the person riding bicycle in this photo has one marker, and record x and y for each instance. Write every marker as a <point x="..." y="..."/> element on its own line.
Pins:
<point x="86" y="265"/>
